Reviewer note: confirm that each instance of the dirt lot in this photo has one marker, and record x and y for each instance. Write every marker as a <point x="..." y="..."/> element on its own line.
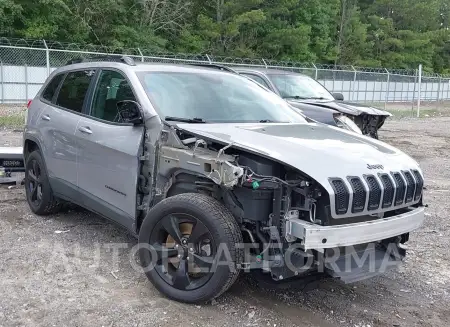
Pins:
<point x="59" y="271"/>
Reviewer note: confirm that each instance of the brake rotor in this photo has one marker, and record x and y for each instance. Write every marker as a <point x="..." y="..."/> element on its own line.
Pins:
<point x="186" y="231"/>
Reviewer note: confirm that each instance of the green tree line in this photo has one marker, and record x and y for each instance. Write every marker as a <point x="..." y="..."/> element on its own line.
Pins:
<point x="375" y="33"/>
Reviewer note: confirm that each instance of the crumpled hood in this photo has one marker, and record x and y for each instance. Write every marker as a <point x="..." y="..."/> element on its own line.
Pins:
<point x="346" y="107"/>
<point x="321" y="151"/>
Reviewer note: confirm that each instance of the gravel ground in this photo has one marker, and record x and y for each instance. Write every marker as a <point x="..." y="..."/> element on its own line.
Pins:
<point x="59" y="270"/>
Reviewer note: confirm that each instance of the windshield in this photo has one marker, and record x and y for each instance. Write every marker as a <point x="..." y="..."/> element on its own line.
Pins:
<point x="299" y="86"/>
<point x="214" y="96"/>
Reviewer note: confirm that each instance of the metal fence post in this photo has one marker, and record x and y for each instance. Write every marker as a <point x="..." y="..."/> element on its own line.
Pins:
<point x="388" y="81"/>
<point x="1" y="79"/>
<point x="439" y="88"/>
<point x="419" y="93"/>
<point x="448" y="89"/>
<point x="334" y="79"/>
<point x="47" y="58"/>
<point x="209" y="59"/>
<point x="316" y="74"/>
<point x="414" y="92"/>
<point x="26" y="82"/>
<point x="142" y="56"/>
<point x="354" y="83"/>
<point x="264" y="62"/>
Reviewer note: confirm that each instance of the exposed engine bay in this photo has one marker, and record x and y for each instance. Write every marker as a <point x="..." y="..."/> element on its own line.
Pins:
<point x="268" y="199"/>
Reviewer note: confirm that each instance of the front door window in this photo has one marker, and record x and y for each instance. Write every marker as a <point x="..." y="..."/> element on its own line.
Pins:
<point x="112" y="87"/>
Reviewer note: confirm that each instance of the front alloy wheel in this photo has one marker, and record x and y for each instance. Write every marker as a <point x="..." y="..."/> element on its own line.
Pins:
<point x="184" y="250"/>
<point x="189" y="247"/>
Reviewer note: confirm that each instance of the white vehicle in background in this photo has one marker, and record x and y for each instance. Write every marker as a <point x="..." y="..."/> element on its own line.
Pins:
<point x="316" y="102"/>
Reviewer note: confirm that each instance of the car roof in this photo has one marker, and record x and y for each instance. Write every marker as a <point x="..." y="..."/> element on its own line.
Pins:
<point x="147" y="66"/>
<point x="266" y="71"/>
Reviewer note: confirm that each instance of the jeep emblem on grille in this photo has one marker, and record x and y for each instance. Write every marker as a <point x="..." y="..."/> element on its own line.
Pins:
<point x="375" y="166"/>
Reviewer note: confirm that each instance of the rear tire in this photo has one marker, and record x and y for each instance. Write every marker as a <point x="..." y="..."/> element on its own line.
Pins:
<point x="37" y="187"/>
<point x="210" y="221"/>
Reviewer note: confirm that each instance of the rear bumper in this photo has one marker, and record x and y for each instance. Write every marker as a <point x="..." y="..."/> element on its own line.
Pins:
<point x="324" y="237"/>
<point x="11" y="159"/>
<point x="11" y="153"/>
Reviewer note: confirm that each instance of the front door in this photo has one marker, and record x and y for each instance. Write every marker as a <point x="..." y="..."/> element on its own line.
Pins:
<point x="109" y="151"/>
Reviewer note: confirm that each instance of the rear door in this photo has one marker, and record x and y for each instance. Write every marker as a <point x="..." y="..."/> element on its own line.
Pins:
<point x="63" y="102"/>
<point x="108" y="158"/>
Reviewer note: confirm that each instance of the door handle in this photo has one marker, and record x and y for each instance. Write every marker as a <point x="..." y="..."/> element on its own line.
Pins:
<point x="45" y="117"/>
<point x="85" y="129"/>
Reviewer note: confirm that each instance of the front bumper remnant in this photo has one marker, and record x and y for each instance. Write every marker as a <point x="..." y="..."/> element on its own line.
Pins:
<point x="316" y="237"/>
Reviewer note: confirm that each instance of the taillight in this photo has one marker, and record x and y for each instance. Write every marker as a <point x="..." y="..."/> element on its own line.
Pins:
<point x="28" y="104"/>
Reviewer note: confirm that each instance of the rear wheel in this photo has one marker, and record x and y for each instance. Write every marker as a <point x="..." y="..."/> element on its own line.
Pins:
<point x="189" y="247"/>
<point x="37" y="187"/>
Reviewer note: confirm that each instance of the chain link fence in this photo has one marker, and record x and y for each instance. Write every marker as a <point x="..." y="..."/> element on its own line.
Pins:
<point x="25" y="65"/>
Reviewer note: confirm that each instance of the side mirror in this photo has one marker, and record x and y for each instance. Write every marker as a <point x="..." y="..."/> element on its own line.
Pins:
<point x="130" y="112"/>
<point x="338" y="96"/>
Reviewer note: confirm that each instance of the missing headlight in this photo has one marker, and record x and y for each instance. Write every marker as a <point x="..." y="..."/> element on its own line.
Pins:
<point x="346" y="123"/>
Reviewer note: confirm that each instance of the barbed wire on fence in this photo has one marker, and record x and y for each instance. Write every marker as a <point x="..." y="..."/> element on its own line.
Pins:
<point x="25" y="64"/>
<point x="148" y="54"/>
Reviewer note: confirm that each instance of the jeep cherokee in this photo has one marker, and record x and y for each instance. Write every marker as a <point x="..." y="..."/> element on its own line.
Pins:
<point x="215" y="175"/>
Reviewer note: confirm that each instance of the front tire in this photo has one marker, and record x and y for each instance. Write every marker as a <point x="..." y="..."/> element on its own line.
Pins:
<point x="189" y="247"/>
<point x="37" y="187"/>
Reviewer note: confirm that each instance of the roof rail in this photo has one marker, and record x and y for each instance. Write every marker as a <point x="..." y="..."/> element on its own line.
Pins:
<point x="125" y="59"/>
<point x="216" y="66"/>
<point x="74" y="61"/>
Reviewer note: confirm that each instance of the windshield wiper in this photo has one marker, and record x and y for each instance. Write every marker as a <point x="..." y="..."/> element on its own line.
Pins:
<point x="297" y="97"/>
<point x="194" y="120"/>
<point x="272" y="121"/>
<point x="317" y="98"/>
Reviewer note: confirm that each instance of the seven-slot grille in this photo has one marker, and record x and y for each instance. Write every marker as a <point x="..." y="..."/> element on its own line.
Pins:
<point x="400" y="188"/>
<point x="419" y="185"/>
<point x="359" y="194"/>
<point x="341" y="196"/>
<point x="387" y="190"/>
<point x="374" y="192"/>
<point x="410" y="186"/>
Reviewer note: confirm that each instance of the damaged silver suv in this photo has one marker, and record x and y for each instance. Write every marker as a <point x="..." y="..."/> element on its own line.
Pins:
<point x="215" y="175"/>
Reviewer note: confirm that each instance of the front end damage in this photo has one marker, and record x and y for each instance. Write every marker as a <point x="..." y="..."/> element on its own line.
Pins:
<point x="294" y="227"/>
<point x="369" y="124"/>
<point x="367" y="118"/>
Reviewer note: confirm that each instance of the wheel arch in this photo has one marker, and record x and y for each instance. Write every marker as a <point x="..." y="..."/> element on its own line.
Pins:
<point x="184" y="181"/>
<point x="180" y="181"/>
<point x="32" y="144"/>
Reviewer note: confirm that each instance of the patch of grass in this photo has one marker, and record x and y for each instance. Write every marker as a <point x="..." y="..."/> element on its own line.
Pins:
<point x="12" y="121"/>
<point x="424" y="113"/>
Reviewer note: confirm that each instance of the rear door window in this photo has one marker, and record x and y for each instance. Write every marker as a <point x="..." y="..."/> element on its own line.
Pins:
<point x="74" y="90"/>
<point x="51" y="88"/>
